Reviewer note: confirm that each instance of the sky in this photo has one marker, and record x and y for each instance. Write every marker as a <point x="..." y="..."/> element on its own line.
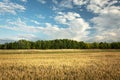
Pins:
<point x="80" y="20"/>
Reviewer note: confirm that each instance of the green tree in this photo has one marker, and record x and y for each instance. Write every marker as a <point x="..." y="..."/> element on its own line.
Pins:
<point x="95" y="45"/>
<point x="23" y="44"/>
<point x="115" y="45"/>
<point x="82" y="45"/>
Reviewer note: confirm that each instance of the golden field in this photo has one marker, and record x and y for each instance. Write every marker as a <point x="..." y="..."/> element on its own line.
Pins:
<point x="60" y="64"/>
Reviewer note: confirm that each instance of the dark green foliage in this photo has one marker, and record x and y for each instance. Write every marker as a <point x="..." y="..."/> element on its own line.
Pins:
<point x="104" y="45"/>
<point x="95" y="45"/>
<point x="59" y="44"/>
<point x="82" y="45"/>
<point x="115" y="45"/>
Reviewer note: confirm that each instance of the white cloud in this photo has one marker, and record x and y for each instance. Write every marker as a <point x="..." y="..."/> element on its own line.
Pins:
<point x="55" y="1"/>
<point x="17" y="37"/>
<point x="99" y="6"/>
<point x="25" y="37"/>
<point x="66" y="4"/>
<point x="63" y="4"/>
<point x="8" y="7"/>
<point x="107" y="22"/>
<point x="63" y="18"/>
<point x="77" y="27"/>
<point x="24" y="0"/>
<point x="80" y="2"/>
<point x="104" y="6"/>
<point x="109" y="36"/>
<point x="50" y="29"/>
<point x="42" y="1"/>
<point x="40" y="16"/>
<point x="95" y="6"/>
<point x="19" y="25"/>
<point x="54" y="8"/>
<point x="107" y="27"/>
<point x="36" y="22"/>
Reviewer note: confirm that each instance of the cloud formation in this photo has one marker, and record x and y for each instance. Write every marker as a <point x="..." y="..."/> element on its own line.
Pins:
<point x="107" y="27"/>
<point x="9" y="7"/>
<point x="42" y="1"/>
<point x="66" y="20"/>
<point x="35" y="22"/>
<point x="104" y="6"/>
<point x="24" y="0"/>
<point x="25" y="37"/>
<point x="76" y="26"/>
<point x="19" y="25"/>
<point x="107" y="22"/>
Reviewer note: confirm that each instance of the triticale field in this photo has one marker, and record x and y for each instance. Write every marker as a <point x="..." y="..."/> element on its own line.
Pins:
<point x="59" y="64"/>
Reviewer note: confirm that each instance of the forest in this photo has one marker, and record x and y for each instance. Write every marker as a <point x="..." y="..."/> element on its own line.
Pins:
<point x="59" y="44"/>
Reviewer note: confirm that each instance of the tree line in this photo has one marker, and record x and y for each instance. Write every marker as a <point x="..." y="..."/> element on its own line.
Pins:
<point x="59" y="44"/>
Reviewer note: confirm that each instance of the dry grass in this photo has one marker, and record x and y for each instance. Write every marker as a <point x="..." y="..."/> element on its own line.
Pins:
<point x="72" y="65"/>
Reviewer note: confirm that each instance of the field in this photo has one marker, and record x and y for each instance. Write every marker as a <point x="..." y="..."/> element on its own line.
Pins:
<point x="59" y="64"/>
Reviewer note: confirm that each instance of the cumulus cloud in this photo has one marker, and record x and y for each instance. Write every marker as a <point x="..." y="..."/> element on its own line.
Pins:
<point x="104" y="6"/>
<point x="35" y="22"/>
<point x="42" y="1"/>
<point x="77" y="30"/>
<point x="25" y="37"/>
<point x="99" y="6"/>
<point x="24" y="0"/>
<point x="62" y="5"/>
<point x="80" y="2"/>
<point x="95" y="6"/>
<point x="19" y="25"/>
<point x="107" y="27"/>
<point x="64" y="18"/>
<point x="66" y="4"/>
<point x="22" y="26"/>
<point x="77" y="27"/>
<point x="9" y="7"/>
<point x="55" y="1"/>
<point x="17" y="37"/>
<point x="106" y="24"/>
<point x="28" y="32"/>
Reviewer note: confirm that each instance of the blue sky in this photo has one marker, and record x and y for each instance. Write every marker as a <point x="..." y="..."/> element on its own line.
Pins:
<point x="81" y="20"/>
